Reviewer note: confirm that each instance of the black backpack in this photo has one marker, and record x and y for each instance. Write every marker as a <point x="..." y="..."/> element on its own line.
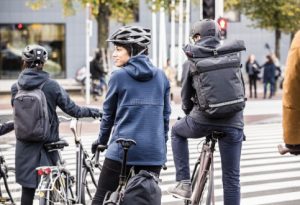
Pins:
<point x="31" y="119"/>
<point x="217" y="78"/>
<point x="142" y="189"/>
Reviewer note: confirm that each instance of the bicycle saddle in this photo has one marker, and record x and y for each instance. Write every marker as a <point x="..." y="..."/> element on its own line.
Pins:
<point x="56" y="145"/>
<point x="126" y="143"/>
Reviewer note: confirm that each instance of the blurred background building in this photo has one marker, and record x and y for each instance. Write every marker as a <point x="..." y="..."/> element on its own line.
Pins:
<point x="64" y="36"/>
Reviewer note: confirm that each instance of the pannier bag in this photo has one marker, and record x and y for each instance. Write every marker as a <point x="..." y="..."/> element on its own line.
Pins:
<point x="142" y="189"/>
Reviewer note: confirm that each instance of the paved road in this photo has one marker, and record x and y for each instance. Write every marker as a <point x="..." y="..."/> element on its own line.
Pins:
<point x="266" y="177"/>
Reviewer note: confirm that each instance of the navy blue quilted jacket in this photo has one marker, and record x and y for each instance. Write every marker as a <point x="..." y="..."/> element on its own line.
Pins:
<point x="137" y="107"/>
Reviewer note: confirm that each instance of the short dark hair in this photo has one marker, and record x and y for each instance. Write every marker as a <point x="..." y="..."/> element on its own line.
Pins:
<point x="133" y="49"/>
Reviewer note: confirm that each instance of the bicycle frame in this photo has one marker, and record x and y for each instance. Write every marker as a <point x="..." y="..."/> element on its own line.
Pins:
<point x="203" y="167"/>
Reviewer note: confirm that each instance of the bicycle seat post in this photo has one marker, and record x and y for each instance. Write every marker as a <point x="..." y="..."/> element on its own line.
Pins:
<point x="126" y="144"/>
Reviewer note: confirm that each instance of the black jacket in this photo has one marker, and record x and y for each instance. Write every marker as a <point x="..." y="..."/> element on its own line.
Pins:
<point x="31" y="155"/>
<point x="188" y="93"/>
<point x="6" y="127"/>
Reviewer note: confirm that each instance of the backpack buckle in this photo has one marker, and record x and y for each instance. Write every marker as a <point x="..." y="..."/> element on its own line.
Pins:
<point x="215" y="52"/>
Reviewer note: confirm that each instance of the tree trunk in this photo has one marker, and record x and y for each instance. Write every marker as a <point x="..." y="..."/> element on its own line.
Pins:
<point x="103" y="24"/>
<point x="277" y="43"/>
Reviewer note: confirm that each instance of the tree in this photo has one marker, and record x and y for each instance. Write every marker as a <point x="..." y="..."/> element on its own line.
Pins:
<point x="276" y="15"/>
<point x="122" y="10"/>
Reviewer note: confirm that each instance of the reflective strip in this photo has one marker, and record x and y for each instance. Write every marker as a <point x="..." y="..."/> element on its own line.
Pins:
<point x="226" y="103"/>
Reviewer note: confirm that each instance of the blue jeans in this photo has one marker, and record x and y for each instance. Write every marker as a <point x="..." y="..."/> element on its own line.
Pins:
<point x="230" y="149"/>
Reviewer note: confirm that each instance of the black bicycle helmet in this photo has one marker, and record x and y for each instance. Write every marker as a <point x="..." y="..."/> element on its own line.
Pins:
<point x="132" y="35"/>
<point x="33" y="53"/>
<point x="206" y="27"/>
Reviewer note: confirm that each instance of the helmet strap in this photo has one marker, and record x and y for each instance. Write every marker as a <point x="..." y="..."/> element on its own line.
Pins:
<point x="142" y="51"/>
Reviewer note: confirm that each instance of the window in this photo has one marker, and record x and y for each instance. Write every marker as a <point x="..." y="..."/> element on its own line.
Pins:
<point x="14" y="38"/>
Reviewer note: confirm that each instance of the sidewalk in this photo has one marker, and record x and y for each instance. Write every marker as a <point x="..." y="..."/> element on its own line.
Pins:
<point x="74" y="90"/>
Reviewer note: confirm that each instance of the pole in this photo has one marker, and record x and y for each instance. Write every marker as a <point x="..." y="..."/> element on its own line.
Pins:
<point x="219" y="8"/>
<point x="180" y="40"/>
<point x="87" y="53"/>
<point x="201" y="9"/>
<point x="187" y="21"/>
<point x="162" y="37"/>
<point x="154" y="34"/>
<point x="172" y="52"/>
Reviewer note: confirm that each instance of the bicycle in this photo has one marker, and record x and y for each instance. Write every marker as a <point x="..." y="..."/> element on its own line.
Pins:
<point x="5" y="173"/>
<point x="56" y="181"/>
<point x="295" y="150"/>
<point x="203" y="172"/>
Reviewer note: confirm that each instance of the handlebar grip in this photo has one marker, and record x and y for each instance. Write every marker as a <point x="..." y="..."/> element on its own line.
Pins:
<point x="99" y="149"/>
<point x="164" y="167"/>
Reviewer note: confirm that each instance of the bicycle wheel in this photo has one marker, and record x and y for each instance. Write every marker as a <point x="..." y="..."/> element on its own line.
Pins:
<point x="55" y="192"/>
<point x="8" y="176"/>
<point x="89" y="184"/>
<point x="59" y="193"/>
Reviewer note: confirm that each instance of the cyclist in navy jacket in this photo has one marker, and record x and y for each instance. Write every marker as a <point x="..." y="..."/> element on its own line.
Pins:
<point x="136" y="107"/>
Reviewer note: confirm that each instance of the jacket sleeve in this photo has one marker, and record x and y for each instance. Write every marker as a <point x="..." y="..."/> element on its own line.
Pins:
<point x="6" y="127"/>
<point x="109" y="110"/>
<point x="167" y="108"/>
<point x="187" y="91"/>
<point x="68" y="106"/>
<point x="13" y="91"/>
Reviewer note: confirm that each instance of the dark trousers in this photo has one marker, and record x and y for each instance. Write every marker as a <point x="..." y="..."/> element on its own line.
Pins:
<point x="109" y="178"/>
<point x="27" y="196"/>
<point x="230" y="150"/>
<point x="269" y="83"/>
<point x="252" y="83"/>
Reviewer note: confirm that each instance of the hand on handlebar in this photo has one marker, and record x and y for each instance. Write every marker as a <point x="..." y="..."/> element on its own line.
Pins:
<point x="95" y="145"/>
<point x="95" y="113"/>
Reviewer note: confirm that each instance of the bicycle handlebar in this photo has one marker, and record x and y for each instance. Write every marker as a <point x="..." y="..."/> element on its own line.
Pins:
<point x="283" y="150"/>
<point x="62" y="118"/>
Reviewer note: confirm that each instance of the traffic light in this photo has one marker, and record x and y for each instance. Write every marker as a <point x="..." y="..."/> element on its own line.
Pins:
<point x="208" y="9"/>
<point x="223" y="26"/>
<point x="20" y="26"/>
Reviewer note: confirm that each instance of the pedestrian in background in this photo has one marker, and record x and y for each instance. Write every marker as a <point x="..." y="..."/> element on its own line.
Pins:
<point x="291" y="95"/>
<point x="30" y="155"/>
<point x="269" y="76"/>
<point x="277" y="71"/>
<point x="98" y="74"/>
<point x="252" y="69"/>
<point x="171" y="75"/>
<point x="136" y="106"/>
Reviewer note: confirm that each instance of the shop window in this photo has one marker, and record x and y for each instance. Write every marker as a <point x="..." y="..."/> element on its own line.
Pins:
<point x="14" y="38"/>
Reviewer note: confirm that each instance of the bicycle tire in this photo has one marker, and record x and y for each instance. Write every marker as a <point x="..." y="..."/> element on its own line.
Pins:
<point x="58" y="194"/>
<point x="9" y="172"/>
<point x="88" y="177"/>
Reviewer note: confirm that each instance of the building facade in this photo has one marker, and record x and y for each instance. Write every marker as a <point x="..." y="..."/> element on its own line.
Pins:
<point x="64" y="37"/>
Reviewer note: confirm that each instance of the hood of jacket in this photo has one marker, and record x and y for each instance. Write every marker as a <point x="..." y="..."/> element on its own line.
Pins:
<point x="31" y="78"/>
<point x="140" y="68"/>
<point x="210" y="46"/>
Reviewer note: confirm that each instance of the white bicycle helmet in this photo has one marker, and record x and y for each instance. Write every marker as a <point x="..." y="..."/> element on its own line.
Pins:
<point x="33" y="53"/>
